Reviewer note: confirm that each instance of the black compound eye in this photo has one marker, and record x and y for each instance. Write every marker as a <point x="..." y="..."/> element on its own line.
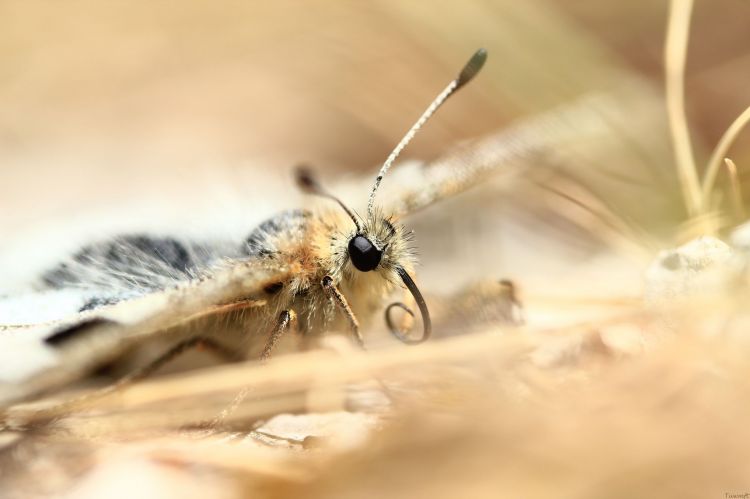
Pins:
<point x="364" y="255"/>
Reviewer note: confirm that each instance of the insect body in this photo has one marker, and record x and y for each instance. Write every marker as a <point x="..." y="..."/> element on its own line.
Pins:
<point x="308" y="270"/>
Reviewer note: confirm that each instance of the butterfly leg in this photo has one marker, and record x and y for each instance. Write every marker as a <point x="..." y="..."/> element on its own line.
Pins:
<point x="228" y="354"/>
<point x="330" y="288"/>
<point x="286" y="321"/>
<point x="172" y="353"/>
<point x="44" y="415"/>
<point x="283" y="324"/>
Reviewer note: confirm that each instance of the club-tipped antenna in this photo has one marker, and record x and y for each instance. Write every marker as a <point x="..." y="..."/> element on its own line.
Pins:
<point x="469" y="71"/>
<point x="307" y="182"/>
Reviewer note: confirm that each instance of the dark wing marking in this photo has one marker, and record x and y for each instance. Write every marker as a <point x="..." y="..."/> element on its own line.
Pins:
<point x="137" y="262"/>
<point x="66" y="333"/>
<point x="99" y="301"/>
<point x="131" y="266"/>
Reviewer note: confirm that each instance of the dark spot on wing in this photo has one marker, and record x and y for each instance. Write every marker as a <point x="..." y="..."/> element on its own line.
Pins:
<point x="56" y="277"/>
<point x="273" y="288"/>
<point x="99" y="301"/>
<point x="67" y="333"/>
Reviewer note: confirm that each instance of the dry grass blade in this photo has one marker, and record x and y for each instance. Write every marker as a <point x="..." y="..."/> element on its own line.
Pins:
<point x="734" y="181"/>
<point x="720" y="152"/>
<point x="675" y="55"/>
<point x="493" y="411"/>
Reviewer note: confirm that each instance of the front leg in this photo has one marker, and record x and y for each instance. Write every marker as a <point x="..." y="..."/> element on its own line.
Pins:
<point x="283" y="323"/>
<point x="340" y="300"/>
<point x="45" y="415"/>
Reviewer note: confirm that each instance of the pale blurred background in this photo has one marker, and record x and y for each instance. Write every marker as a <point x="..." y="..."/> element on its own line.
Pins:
<point x="111" y="103"/>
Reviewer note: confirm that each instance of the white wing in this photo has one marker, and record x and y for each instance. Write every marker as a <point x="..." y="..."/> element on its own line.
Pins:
<point x="31" y="363"/>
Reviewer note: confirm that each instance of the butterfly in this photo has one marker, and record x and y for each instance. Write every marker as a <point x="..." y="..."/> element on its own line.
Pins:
<point x="305" y="270"/>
